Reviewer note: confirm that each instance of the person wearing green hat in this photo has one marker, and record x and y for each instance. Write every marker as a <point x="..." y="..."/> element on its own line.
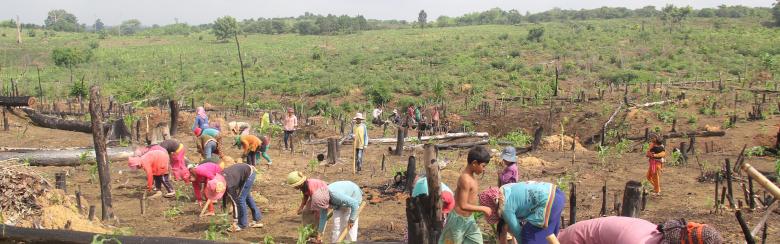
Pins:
<point x="308" y="188"/>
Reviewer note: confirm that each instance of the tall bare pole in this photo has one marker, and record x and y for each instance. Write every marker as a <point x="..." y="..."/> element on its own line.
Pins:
<point x="241" y="62"/>
<point x="18" y="31"/>
<point x="98" y="136"/>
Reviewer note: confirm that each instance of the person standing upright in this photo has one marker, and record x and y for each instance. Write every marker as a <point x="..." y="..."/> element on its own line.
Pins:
<point x="290" y="124"/>
<point x="201" y="119"/>
<point x="360" y="135"/>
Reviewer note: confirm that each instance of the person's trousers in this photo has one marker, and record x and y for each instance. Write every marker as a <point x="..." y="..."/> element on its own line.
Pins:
<point x="163" y="180"/>
<point x="654" y="176"/>
<point x="209" y="148"/>
<point x="532" y="234"/>
<point x="251" y="157"/>
<point x="287" y="139"/>
<point x="264" y="153"/>
<point x="244" y="200"/>
<point x="359" y="159"/>
<point x="341" y="222"/>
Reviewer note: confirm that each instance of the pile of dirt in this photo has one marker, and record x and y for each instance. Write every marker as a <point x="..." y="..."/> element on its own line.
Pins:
<point x="639" y="116"/>
<point x="29" y="200"/>
<point x="531" y="162"/>
<point x="712" y="128"/>
<point x="553" y="143"/>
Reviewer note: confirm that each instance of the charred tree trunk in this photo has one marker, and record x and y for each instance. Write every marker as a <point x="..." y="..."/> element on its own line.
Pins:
<point x="11" y="101"/>
<point x="434" y="219"/>
<point x="632" y="199"/>
<point x="96" y="113"/>
<point x="174" y="117"/>
<point x="60" y="124"/>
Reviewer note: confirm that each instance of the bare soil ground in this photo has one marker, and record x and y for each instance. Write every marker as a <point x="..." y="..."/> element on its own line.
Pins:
<point x="683" y="196"/>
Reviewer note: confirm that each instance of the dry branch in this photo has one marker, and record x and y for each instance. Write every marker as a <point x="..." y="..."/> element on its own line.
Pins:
<point x="61" y="157"/>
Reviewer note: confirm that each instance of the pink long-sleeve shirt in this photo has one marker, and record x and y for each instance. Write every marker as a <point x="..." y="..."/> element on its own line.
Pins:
<point x="609" y="230"/>
<point x="290" y="122"/>
<point x="203" y="173"/>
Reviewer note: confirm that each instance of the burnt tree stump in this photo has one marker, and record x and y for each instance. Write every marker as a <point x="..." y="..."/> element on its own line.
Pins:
<point x="632" y="196"/>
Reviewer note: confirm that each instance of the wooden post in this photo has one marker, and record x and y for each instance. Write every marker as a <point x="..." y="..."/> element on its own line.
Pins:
<point x="98" y="137"/>
<point x="411" y="172"/>
<point x="383" y="162"/>
<point x="138" y="130"/>
<point x="174" y="107"/>
<point x="60" y="182"/>
<point x="241" y="62"/>
<point x="91" y="212"/>
<point x="399" y="144"/>
<point x="674" y="125"/>
<point x="745" y="230"/>
<point x="751" y="195"/>
<point x="142" y="200"/>
<point x="717" y="186"/>
<point x="537" y="138"/>
<point x="647" y="134"/>
<point x="78" y="201"/>
<point x="435" y="222"/>
<point x="603" y="212"/>
<point x="6" y="126"/>
<point x="644" y="199"/>
<point x="632" y="196"/>
<point x="683" y="152"/>
<point x="555" y="92"/>
<point x="728" y="184"/>
<point x="573" y="204"/>
<point x="333" y="150"/>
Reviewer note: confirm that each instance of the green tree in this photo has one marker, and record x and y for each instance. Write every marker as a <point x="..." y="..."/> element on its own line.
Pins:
<point x="672" y="15"/>
<point x="422" y="18"/>
<point x="535" y="34"/>
<point x="99" y="26"/>
<point x="129" y="27"/>
<point x="224" y="28"/>
<point x="61" y="20"/>
<point x="68" y="57"/>
<point x="306" y="28"/>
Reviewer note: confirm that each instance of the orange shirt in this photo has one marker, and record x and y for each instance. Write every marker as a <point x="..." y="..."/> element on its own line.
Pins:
<point x="154" y="163"/>
<point x="250" y="143"/>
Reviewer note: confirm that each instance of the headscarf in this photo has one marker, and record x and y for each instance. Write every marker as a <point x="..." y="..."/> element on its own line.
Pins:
<point x="201" y="112"/>
<point x="488" y="198"/>
<point x="134" y="162"/>
<point x="320" y="200"/>
<point x="681" y="231"/>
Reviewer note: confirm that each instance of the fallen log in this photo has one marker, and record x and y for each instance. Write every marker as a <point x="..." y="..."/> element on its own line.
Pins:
<point x="63" y="157"/>
<point x="761" y="179"/>
<point x="447" y="136"/>
<point x="644" y="105"/>
<point x="60" y="124"/>
<point x="684" y="134"/>
<point x="25" y="101"/>
<point x="15" y="234"/>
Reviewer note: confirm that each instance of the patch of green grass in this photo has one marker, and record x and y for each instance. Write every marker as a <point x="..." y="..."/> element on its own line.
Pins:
<point x="518" y="138"/>
<point x="304" y="233"/>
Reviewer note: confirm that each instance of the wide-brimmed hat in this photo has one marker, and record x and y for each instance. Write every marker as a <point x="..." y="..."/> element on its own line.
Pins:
<point x="358" y="116"/>
<point x="509" y="154"/>
<point x="295" y="178"/>
<point x="489" y="198"/>
<point x="215" y="188"/>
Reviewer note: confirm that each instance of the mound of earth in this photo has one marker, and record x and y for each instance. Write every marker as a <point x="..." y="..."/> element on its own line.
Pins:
<point x="531" y="162"/>
<point x="639" y="116"/>
<point x="29" y="200"/>
<point x="554" y="142"/>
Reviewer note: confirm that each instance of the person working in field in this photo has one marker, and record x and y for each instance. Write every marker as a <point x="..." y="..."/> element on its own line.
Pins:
<point x="507" y="176"/>
<point x="201" y="119"/>
<point x="537" y="204"/>
<point x="461" y="227"/>
<point x="655" y="155"/>
<point x="265" y="122"/>
<point x="200" y="175"/>
<point x="360" y="140"/>
<point x="239" y="180"/>
<point x="239" y="128"/>
<point x="177" y="152"/>
<point x="345" y="198"/>
<point x="207" y="144"/>
<point x="435" y="120"/>
<point x="155" y="164"/>
<point x="376" y="116"/>
<point x="290" y="123"/>
<point x="420" y="188"/>
<point x="308" y="187"/>
<point x="254" y="147"/>
<point x="615" y="229"/>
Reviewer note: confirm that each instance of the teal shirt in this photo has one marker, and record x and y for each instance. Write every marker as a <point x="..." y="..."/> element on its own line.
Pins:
<point x="342" y="194"/>
<point x="211" y="132"/>
<point x="530" y="201"/>
<point x="421" y="187"/>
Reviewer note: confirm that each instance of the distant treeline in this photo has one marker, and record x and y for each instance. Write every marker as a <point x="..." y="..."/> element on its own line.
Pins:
<point x="311" y="24"/>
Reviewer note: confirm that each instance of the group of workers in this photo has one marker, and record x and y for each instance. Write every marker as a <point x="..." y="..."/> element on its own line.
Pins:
<point x="523" y="212"/>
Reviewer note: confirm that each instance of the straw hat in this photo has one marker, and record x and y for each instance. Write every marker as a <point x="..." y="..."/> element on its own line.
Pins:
<point x="358" y="116"/>
<point x="295" y="178"/>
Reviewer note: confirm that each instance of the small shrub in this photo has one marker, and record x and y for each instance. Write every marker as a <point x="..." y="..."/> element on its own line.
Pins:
<point x="518" y="138"/>
<point x="514" y="53"/>
<point x="503" y="37"/>
<point x="304" y="233"/>
<point x="756" y="151"/>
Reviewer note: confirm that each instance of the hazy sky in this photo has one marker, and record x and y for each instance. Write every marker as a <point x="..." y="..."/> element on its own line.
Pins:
<point x="150" y="12"/>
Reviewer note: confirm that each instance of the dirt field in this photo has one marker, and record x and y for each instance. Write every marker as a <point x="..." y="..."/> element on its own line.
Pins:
<point x="683" y="195"/>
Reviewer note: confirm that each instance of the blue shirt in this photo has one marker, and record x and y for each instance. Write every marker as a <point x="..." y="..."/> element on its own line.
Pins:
<point x="531" y="201"/>
<point x="202" y="123"/>
<point x="342" y="194"/>
<point x="421" y="187"/>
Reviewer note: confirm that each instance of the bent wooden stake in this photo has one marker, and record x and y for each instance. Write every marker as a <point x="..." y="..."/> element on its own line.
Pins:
<point x="761" y="179"/>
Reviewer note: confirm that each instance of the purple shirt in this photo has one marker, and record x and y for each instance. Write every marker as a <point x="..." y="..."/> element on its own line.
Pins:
<point x="509" y="175"/>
